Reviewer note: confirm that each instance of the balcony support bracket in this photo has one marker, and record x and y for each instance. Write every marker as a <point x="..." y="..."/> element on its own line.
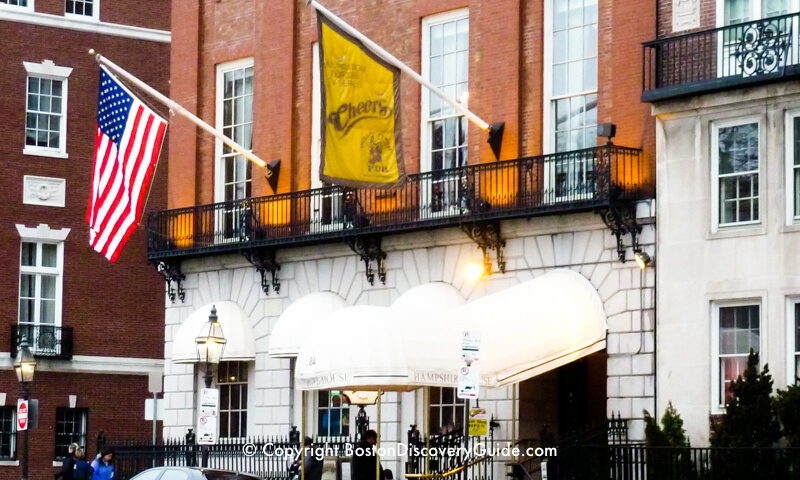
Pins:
<point x="171" y="271"/>
<point x="264" y="261"/>
<point x="620" y="217"/>
<point x="368" y="247"/>
<point x="487" y="236"/>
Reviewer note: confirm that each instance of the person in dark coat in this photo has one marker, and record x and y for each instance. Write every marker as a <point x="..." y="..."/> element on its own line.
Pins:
<point x="68" y="465"/>
<point x="365" y="458"/>
<point x="83" y="471"/>
<point x="312" y="464"/>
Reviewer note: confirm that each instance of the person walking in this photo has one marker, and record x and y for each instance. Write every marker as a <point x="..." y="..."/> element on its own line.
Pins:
<point x="104" y="465"/>
<point x="365" y="458"/>
<point x="313" y="462"/>
<point x="83" y="471"/>
<point x="68" y="464"/>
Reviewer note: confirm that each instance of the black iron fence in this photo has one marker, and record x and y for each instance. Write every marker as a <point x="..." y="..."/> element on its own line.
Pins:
<point x="638" y="462"/>
<point x="709" y="60"/>
<point x="271" y="457"/>
<point x="44" y="340"/>
<point x="569" y="181"/>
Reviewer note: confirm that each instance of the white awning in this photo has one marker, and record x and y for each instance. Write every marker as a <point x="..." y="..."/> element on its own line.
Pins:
<point x="236" y="327"/>
<point x="430" y="297"/>
<point x="299" y="320"/>
<point x="536" y="326"/>
<point x="526" y="330"/>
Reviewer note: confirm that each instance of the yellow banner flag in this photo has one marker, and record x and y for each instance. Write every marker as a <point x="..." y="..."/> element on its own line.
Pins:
<point x="361" y="145"/>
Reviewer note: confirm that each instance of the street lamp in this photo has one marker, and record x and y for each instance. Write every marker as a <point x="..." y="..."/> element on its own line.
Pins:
<point x="210" y="344"/>
<point x="25" y="365"/>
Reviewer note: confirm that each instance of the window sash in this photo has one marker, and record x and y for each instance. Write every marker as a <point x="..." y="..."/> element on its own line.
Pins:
<point x="70" y="428"/>
<point x="233" y="385"/>
<point x="44" y="121"/>
<point x="81" y="8"/>
<point x="445" y="409"/>
<point x="737" y="184"/>
<point x="743" y="323"/>
<point x="45" y="285"/>
<point x="235" y="118"/>
<point x="326" y="412"/>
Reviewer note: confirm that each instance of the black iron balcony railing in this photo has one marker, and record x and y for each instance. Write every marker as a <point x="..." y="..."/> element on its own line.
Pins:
<point x="563" y="182"/>
<point x="44" y="340"/>
<point x="737" y="55"/>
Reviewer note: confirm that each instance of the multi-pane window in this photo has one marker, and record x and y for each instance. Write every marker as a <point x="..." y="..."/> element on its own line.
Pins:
<point x="232" y="383"/>
<point x="333" y="413"/>
<point x="8" y="428"/>
<point x="739" y="332"/>
<point x="737" y="163"/>
<point x="70" y="428"/>
<point x="574" y="82"/>
<point x="45" y="116"/>
<point x="793" y="169"/>
<point x="446" y="65"/>
<point x="237" y="123"/>
<point x="446" y="411"/>
<point x="740" y="11"/>
<point x="85" y="8"/>
<point x="16" y="3"/>
<point x="40" y="284"/>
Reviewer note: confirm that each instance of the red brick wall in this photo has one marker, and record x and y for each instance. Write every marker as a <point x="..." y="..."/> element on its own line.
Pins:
<point x="115" y="405"/>
<point x="708" y="17"/>
<point x="107" y="304"/>
<point x="506" y="71"/>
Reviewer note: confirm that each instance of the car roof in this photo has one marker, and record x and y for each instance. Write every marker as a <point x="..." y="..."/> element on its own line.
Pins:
<point x="210" y="473"/>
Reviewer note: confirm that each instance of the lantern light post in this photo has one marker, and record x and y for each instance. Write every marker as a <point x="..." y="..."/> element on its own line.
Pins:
<point x="210" y="345"/>
<point x="24" y="366"/>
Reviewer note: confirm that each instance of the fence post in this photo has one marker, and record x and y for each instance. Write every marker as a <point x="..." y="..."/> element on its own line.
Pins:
<point x="412" y="465"/>
<point x="294" y="436"/>
<point x="191" y="457"/>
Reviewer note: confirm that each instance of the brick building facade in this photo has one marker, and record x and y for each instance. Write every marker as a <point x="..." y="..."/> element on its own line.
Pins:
<point x="519" y="70"/>
<point x="94" y="335"/>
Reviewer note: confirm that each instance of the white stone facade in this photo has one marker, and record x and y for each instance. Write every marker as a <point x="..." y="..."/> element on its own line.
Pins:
<point x="703" y="265"/>
<point x="580" y="242"/>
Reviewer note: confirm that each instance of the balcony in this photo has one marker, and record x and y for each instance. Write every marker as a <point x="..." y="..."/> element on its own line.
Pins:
<point x="579" y="180"/>
<point x="45" y="340"/>
<point x="735" y="56"/>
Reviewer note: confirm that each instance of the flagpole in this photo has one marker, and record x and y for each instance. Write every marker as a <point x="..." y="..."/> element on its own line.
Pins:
<point x="178" y="109"/>
<point x="397" y="63"/>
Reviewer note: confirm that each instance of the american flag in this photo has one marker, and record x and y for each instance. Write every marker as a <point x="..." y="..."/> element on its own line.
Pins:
<point x="128" y="142"/>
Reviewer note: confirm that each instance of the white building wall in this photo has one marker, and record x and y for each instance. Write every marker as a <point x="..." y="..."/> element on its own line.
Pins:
<point x="533" y="247"/>
<point x="699" y="266"/>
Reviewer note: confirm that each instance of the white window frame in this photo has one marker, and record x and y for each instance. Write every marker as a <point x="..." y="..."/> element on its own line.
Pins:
<point x="245" y="365"/>
<point x="425" y="138"/>
<point x="716" y="408"/>
<point x="95" y="16"/>
<point x="48" y="70"/>
<point x="27" y="8"/>
<point x="352" y="411"/>
<point x="755" y="10"/>
<point x="715" y="198"/>
<point x="792" y="217"/>
<point x="548" y="122"/>
<point x="455" y="404"/>
<point x="219" y="167"/>
<point x="792" y="303"/>
<point x="39" y="235"/>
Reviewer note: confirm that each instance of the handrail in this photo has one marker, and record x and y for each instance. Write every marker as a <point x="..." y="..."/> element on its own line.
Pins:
<point x="448" y="473"/>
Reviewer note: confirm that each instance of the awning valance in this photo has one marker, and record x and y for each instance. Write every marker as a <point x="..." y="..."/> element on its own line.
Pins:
<point x="236" y="327"/>
<point x="298" y="320"/>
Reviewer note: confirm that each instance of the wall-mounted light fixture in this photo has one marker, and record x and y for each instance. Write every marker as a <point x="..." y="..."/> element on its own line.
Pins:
<point x="608" y="130"/>
<point x="273" y="169"/>
<point x="642" y="259"/>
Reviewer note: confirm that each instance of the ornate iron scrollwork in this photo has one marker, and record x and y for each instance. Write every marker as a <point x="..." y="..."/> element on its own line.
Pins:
<point x="171" y="271"/>
<point x="368" y="247"/>
<point x="620" y="217"/>
<point x="762" y="47"/>
<point x="264" y="261"/>
<point x="487" y="236"/>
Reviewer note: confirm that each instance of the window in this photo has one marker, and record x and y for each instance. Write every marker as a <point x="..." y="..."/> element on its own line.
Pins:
<point x="570" y="96"/>
<point x="793" y="168"/>
<point x="446" y="411"/>
<point x="70" y="428"/>
<point x="8" y="429"/>
<point x="333" y="413"/>
<point x="740" y="11"/>
<point x="82" y="8"/>
<point x="26" y="4"/>
<point x="739" y="332"/>
<point x="232" y="383"/>
<point x="46" y="109"/>
<point x="445" y="63"/>
<point x="235" y="119"/>
<point x="736" y="163"/>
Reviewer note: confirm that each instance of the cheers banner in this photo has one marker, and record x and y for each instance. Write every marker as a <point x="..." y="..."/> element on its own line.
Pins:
<point x="361" y="145"/>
